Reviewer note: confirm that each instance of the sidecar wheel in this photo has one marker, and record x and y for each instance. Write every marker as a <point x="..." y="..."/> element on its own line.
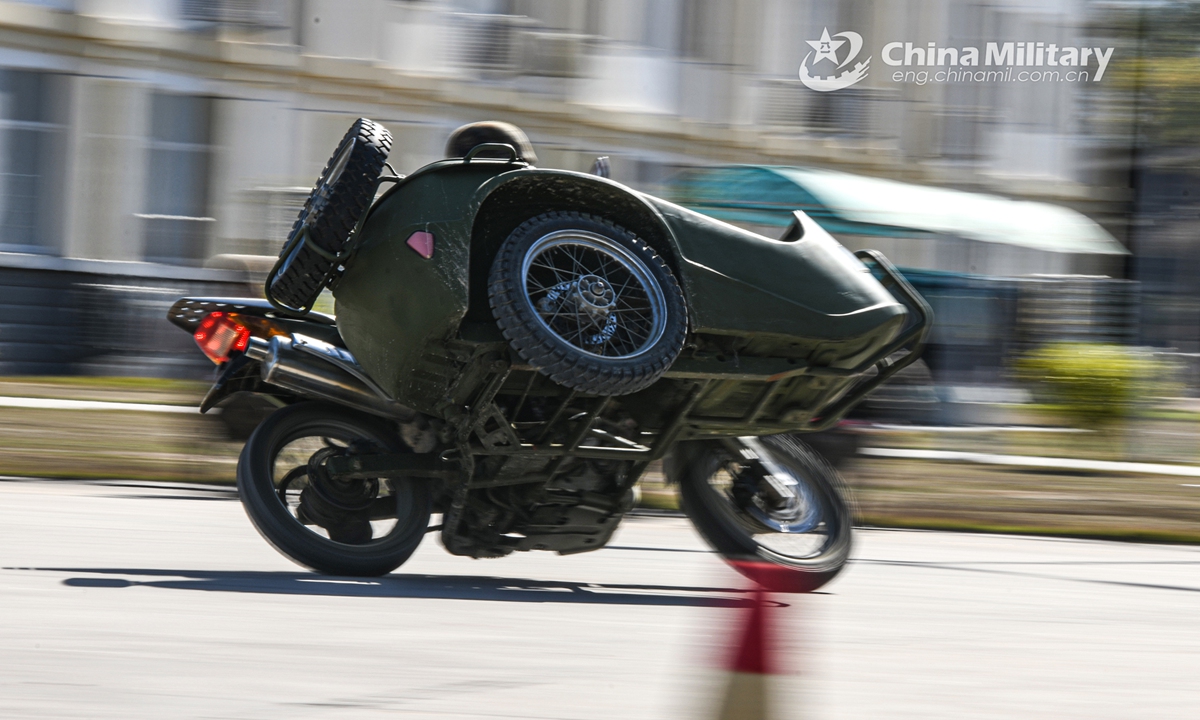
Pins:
<point x="587" y="303"/>
<point x="785" y="547"/>
<point x="373" y="525"/>
<point x="342" y="194"/>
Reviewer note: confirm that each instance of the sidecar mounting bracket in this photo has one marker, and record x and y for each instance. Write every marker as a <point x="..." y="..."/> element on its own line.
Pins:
<point x="337" y="260"/>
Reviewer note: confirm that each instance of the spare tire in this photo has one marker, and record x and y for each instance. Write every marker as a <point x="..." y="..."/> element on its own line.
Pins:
<point x="342" y="194"/>
<point x="587" y="303"/>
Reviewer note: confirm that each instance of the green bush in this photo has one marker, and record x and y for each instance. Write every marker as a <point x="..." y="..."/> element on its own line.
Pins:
<point x="1091" y="384"/>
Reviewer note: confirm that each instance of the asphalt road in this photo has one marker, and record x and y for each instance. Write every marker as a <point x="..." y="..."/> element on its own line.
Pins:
<point x="141" y="602"/>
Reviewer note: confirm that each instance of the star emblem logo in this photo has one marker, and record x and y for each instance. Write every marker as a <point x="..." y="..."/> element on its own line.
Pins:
<point x="826" y="47"/>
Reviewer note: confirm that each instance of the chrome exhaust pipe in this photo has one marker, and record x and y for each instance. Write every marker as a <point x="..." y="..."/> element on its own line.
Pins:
<point x="310" y="367"/>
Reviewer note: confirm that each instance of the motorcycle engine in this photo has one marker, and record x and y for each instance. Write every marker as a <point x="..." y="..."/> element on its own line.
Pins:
<point x="575" y="512"/>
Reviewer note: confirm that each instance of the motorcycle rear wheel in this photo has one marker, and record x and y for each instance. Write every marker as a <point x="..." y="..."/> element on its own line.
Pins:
<point x="273" y="460"/>
<point x="794" y="549"/>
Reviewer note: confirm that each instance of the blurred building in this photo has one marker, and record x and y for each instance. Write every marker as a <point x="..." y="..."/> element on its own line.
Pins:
<point x="141" y="139"/>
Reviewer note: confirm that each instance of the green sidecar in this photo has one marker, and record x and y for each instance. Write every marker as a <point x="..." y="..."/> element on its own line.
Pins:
<point x="778" y="330"/>
<point x="535" y="339"/>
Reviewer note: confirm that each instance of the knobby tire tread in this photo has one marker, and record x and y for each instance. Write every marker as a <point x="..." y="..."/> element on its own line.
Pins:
<point x="553" y="357"/>
<point x="308" y="273"/>
<point x="284" y="532"/>
<point x="734" y="541"/>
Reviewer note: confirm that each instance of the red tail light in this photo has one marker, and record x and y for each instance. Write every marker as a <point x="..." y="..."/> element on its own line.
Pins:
<point x="219" y="335"/>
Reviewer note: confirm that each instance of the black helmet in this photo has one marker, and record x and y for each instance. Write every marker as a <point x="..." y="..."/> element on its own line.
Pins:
<point x="473" y="134"/>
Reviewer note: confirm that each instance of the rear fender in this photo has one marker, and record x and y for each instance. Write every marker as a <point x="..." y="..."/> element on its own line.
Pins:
<point x="187" y="313"/>
<point x="508" y="200"/>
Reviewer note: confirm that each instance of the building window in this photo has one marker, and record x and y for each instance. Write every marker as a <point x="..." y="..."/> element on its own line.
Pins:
<point x="29" y="152"/>
<point x="176" y="221"/>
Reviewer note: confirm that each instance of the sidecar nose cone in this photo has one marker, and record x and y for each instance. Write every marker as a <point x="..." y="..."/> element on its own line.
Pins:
<point x="422" y="243"/>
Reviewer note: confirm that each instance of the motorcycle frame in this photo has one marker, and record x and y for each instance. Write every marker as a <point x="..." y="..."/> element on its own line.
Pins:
<point x="681" y="423"/>
<point x="490" y="367"/>
<point x="457" y="464"/>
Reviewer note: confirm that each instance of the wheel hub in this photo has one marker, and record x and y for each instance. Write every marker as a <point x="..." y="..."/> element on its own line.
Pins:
<point x="342" y="507"/>
<point x="771" y="494"/>
<point x="595" y="296"/>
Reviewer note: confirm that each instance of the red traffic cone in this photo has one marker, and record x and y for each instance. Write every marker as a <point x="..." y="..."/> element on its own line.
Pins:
<point x="747" y="694"/>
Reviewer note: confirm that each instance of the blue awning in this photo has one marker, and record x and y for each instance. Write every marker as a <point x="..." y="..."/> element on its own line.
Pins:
<point x="860" y="205"/>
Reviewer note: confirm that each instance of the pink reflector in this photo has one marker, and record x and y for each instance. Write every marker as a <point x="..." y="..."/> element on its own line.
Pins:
<point x="422" y="242"/>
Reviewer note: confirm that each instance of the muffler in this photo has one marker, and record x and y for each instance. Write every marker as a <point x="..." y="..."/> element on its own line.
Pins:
<point x="308" y="366"/>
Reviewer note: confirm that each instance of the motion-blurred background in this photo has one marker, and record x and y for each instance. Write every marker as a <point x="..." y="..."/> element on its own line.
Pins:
<point x="154" y="148"/>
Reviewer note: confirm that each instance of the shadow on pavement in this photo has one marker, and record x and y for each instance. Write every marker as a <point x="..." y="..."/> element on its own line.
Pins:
<point x="658" y="549"/>
<point x="968" y="567"/>
<point x="406" y="586"/>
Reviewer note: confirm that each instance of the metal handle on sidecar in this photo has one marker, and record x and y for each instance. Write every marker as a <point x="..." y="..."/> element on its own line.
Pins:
<point x="913" y="337"/>
<point x="512" y="151"/>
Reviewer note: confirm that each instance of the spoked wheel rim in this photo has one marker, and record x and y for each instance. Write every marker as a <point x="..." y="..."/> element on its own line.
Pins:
<point x="594" y="294"/>
<point x="347" y="514"/>
<point x="782" y="511"/>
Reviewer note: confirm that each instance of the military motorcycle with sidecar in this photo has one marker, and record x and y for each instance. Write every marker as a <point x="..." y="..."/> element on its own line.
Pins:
<point x="513" y="347"/>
